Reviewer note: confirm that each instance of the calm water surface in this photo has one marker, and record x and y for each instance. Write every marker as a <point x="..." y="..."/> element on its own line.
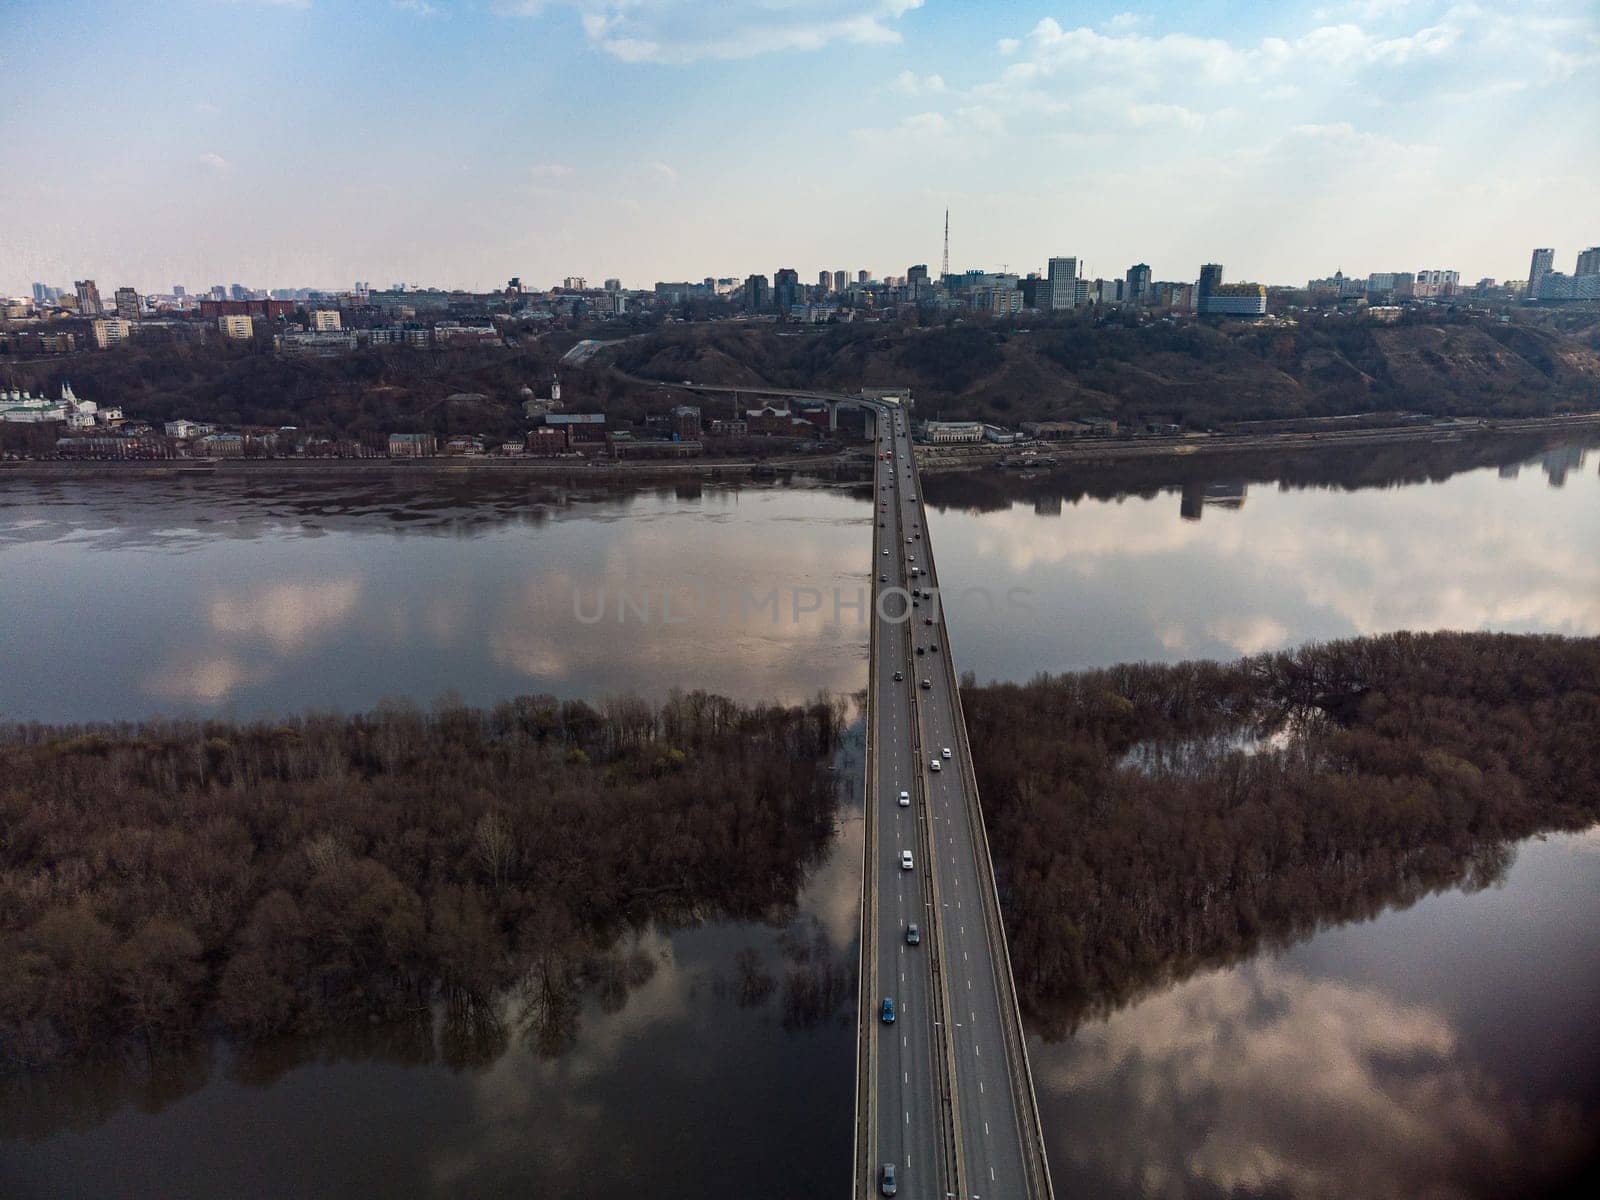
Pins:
<point x="1426" y="1049"/>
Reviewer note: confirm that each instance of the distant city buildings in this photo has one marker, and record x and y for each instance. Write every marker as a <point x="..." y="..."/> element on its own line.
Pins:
<point x="241" y="328"/>
<point x="88" y="298"/>
<point x="1542" y="263"/>
<point x="1137" y="284"/>
<point x="785" y="289"/>
<point x="1063" y="276"/>
<point x="127" y="304"/>
<point x="326" y="320"/>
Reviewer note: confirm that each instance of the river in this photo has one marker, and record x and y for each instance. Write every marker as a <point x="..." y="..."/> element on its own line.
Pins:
<point x="1425" y="1049"/>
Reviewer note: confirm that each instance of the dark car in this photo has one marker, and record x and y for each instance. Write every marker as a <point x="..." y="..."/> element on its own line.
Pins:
<point x="899" y="675"/>
<point x="927" y="620"/>
<point x="920" y="650"/>
<point x="934" y="646"/>
<point x="888" y="1010"/>
<point x="926" y="686"/>
<point x="888" y="1186"/>
<point x="913" y="935"/>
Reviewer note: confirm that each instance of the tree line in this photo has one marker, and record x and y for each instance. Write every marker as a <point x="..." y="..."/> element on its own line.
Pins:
<point x="1152" y="820"/>
<point x="163" y="878"/>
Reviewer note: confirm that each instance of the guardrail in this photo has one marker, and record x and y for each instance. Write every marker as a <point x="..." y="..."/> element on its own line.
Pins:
<point x="866" y="1131"/>
<point x="1035" y="1161"/>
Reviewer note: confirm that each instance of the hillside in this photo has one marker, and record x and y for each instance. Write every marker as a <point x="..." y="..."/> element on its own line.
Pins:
<point x="1192" y="373"/>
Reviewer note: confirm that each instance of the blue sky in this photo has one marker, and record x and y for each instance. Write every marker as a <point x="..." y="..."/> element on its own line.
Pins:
<point x="458" y="142"/>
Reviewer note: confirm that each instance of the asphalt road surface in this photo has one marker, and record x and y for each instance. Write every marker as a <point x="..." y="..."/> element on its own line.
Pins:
<point x="935" y="1080"/>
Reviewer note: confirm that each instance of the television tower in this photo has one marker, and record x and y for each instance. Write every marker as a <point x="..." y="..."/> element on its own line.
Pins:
<point x="945" y="269"/>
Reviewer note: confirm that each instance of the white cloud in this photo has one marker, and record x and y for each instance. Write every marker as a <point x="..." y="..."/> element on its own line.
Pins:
<point x="909" y="83"/>
<point x="550" y="170"/>
<point x="420" y="8"/>
<point x="214" y="161"/>
<point x="668" y="31"/>
<point x="1008" y="46"/>
<point x="665" y="171"/>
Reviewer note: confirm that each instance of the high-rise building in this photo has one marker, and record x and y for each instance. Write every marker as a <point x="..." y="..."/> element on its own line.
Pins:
<point x="1544" y="261"/>
<point x="238" y="328"/>
<point x="1137" y="284"/>
<point x="917" y="274"/>
<point x="326" y="320"/>
<point x="1589" y="262"/>
<point x="1063" y="276"/>
<point x="575" y="283"/>
<point x="178" y="291"/>
<point x="756" y="297"/>
<point x="237" y="291"/>
<point x="1210" y="281"/>
<point x="613" y="285"/>
<point x="786" y="289"/>
<point x="40" y="293"/>
<point x="88" y="298"/>
<point x="127" y="304"/>
<point x="841" y="280"/>
<point x="863" y="276"/>
<point x="825" y="282"/>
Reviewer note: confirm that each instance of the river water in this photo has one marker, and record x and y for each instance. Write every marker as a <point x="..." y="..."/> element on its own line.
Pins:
<point x="1434" y="1048"/>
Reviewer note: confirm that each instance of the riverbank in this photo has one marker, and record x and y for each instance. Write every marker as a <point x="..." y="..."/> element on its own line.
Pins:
<point x="847" y="462"/>
<point x="1093" y="451"/>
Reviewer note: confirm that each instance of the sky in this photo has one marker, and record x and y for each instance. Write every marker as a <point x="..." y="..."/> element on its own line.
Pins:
<point x="289" y="143"/>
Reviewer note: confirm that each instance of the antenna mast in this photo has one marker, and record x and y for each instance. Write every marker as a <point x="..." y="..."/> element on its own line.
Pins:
<point x="945" y="270"/>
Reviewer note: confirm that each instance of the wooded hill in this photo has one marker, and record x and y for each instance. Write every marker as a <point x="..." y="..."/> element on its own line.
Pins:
<point x="1193" y="373"/>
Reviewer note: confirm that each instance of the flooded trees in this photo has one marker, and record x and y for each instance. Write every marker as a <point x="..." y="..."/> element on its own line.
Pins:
<point x="164" y="877"/>
<point x="1149" y="820"/>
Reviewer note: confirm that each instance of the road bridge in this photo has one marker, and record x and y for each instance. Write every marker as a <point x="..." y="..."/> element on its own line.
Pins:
<point x="944" y="1093"/>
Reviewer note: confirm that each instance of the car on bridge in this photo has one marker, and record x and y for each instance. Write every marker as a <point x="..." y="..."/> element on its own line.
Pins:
<point x="933" y="765"/>
<point x="887" y="1013"/>
<point x="905" y="799"/>
<point x="905" y="860"/>
<point x="927" y="686"/>
<point x="944" y="752"/>
<point x="899" y="675"/>
<point x="887" y="1184"/>
<point x="913" y="935"/>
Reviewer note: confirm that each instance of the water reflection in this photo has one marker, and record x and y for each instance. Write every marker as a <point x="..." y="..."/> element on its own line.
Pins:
<point x="1339" y="547"/>
<point x="151" y="596"/>
<point x="1329" y="1072"/>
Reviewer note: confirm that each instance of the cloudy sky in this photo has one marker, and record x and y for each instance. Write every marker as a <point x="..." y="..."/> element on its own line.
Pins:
<point x="459" y="142"/>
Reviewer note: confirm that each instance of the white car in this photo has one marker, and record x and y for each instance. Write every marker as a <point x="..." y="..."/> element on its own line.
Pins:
<point x="945" y="753"/>
<point x="905" y="860"/>
<point x="905" y="799"/>
<point x="933" y="765"/>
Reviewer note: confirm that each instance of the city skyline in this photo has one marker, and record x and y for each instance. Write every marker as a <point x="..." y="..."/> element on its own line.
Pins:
<point x="456" y="144"/>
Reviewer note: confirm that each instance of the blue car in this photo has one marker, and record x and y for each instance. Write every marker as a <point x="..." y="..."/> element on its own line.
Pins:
<point x="888" y="1010"/>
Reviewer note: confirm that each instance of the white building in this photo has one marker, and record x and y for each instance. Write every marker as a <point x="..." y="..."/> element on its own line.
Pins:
<point x="111" y="331"/>
<point x="325" y="320"/>
<point x="24" y="409"/>
<point x="950" y="433"/>
<point x="239" y="328"/>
